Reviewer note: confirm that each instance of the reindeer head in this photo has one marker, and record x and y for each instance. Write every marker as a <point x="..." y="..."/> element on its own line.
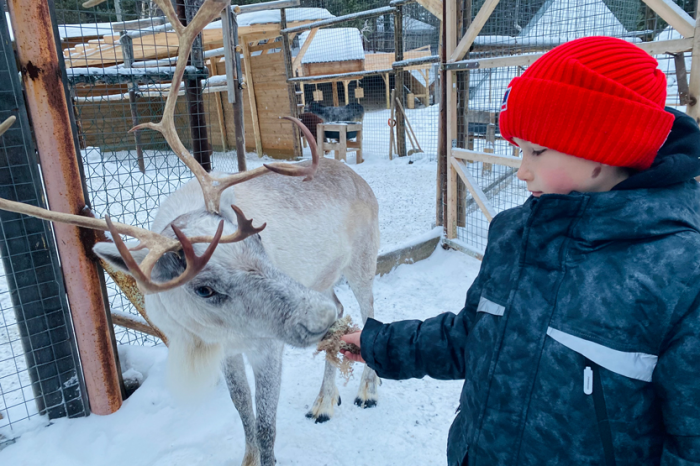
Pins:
<point x="192" y="291"/>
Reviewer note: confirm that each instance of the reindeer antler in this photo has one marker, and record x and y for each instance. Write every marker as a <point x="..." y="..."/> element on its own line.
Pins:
<point x="211" y="187"/>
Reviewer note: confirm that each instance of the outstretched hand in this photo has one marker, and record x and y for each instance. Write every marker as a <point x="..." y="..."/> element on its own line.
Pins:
<point x="353" y="339"/>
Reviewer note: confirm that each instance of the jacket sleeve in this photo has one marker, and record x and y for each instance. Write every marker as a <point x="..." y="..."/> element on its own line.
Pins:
<point x="413" y="349"/>
<point x="677" y="381"/>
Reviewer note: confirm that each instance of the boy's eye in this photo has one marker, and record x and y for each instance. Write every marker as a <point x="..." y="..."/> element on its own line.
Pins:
<point x="538" y="152"/>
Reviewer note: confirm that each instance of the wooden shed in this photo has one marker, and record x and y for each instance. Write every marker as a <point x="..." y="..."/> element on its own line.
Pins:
<point x="266" y="92"/>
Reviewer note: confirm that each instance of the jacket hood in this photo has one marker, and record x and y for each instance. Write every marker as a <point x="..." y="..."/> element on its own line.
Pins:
<point x="677" y="161"/>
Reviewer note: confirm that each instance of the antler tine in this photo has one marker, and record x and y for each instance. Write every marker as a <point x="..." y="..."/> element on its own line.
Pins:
<point x="6" y="124"/>
<point x="295" y="170"/>
<point x="209" y="10"/>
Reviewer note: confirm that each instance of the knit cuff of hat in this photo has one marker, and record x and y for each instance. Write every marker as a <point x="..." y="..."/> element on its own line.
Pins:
<point x="585" y="123"/>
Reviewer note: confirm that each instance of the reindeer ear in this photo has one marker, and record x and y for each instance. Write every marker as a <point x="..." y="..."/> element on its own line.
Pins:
<point x="109" y="253"/>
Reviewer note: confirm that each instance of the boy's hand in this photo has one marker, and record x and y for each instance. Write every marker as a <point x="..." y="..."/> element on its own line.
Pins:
<point x="353" y="339"/>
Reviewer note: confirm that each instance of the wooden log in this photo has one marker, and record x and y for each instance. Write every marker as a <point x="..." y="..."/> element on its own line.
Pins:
<point x="399" y="81"/>
<point x="251" y="97"/>
<point x="693" y="107"/>
<point x="385" y="77"/>
<point x="451" y="118"/>
<point x="336" y="103"/>
<point x="474" y="29"/>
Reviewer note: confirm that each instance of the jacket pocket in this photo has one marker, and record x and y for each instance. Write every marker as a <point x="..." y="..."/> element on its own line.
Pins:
<point x="635" y="365"/>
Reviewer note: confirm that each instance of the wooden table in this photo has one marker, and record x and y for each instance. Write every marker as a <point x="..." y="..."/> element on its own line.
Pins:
<point x="341" y="128"/>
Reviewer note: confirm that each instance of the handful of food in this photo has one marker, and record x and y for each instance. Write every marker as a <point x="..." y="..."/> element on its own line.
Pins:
<point x="332" y="345"/>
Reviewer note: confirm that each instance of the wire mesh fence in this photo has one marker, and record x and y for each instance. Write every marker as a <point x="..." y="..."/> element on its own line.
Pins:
<point x="39" y="366"/>
<point x="517" y="27"/>
<point x="128" y="175"/>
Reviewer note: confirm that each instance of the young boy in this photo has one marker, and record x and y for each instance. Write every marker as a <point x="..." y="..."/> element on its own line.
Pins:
<point x="579" y="343"/>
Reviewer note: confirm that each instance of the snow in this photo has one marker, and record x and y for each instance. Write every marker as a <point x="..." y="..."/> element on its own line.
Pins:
<point x="331" y="45"/>
<point x="68" y="31"/>
<point x="273" y="16"/>
<point x="409" y="425"/>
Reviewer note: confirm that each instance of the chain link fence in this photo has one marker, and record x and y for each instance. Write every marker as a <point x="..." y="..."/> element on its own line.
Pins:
<point x="518" y="27"/>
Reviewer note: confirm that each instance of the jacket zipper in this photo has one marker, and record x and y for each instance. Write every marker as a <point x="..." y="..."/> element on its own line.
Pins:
<point x="593" y="385"/>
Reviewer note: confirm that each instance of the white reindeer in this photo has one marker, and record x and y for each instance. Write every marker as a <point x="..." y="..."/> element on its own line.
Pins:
<point x="252" y="289"/>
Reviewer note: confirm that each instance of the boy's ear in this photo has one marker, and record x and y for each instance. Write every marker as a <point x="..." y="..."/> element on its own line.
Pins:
<point x="108" y="252"/>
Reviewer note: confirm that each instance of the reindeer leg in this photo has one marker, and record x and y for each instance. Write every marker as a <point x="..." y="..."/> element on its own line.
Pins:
<point x="323" y="407"/>
<point x="362" y="289"/>
<point x="240" y="394"/>
<point x="266" y="360"/>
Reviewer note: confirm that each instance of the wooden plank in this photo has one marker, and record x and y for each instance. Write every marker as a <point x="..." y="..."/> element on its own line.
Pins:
<point x="251" y="97"/>
<point x="476" y="156"/>
<point x="346" y="88"/>
<point x="433" y="6"/>
<point x="693" y="107"/>
<point x="297" y="60"/>
<point x="335" y="94"/>
<point x="673" y="15"/>
<point x="474" y="29"/>
<point x="476" y="192"/>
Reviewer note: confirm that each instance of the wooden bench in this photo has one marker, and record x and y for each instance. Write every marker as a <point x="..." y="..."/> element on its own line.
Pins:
<point x="341" y="129"/>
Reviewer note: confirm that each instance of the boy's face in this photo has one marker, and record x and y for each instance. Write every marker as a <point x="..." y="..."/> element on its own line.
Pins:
<point x="547" y="171"/>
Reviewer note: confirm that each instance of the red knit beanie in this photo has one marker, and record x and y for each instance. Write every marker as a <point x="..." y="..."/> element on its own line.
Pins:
<point x="598" y="98"/>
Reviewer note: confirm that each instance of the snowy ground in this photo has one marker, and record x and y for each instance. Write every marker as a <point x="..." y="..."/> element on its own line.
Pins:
<point x="408" y="427"/>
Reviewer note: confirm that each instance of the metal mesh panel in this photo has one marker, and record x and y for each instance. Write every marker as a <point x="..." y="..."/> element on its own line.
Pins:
<point x="39" y="367"/>
<point x="517" y="27"/>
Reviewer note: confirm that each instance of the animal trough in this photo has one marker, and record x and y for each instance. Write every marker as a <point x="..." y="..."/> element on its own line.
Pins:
<point x="336" y="134"/>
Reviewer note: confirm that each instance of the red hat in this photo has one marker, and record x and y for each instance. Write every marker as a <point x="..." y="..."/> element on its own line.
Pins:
<point x="598" y="98"/>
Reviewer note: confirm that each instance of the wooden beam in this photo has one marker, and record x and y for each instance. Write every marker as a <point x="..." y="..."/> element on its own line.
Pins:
<point x="327" y="78"/>
<point x="334" y="86"/>
<point x="476" y="192"/>
<point x="474" y="29"/>
<point x="652" y="48"/>
<point x="476" y="156"/>
<point x="297" y="60"/>
<point x="346" y="88"/>
<point x="693" y="107"/>
<point x="219" y="109"/>
<point x="251" y="97"/>
<point x="433" y="6"/>
<point x="673" y="15"/>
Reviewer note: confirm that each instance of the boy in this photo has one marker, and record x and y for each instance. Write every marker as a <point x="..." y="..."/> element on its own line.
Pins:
<point x="580" y="340"/>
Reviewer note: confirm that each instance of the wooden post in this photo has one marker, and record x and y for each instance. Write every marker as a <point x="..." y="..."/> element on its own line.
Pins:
<point x="334" y="85"/>
<point x="385" y="77"/>
<point x="128" y="55"/>
<point x="193" y="90"/>
<point x="451" y="118"/>
<point x="426" y="97"/>
<point x="399" y="84"/>
<point x="229" y="23"/>
<point x="346" y="88"/>
<point x="219" y="107"/>
<point x="291" y="88"/>
<point x="693" y="107"/>
<point x="251" y="97"/>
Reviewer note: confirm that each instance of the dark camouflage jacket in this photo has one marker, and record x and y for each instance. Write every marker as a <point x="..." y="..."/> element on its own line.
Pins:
<point x="579" y="343"/>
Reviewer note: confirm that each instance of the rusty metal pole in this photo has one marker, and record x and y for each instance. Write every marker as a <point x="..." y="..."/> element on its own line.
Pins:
<point x="48" y="109"/>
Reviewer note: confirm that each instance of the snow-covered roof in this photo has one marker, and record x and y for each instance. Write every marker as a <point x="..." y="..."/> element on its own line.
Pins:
<point x="273" y="16"/>
<point x="68" y="31"/>
<point x="336" y="44"/>
<point x="556" y="22"/>
<point x="565" y="20"/>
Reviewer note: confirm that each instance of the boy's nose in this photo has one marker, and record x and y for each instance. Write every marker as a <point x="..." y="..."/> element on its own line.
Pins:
<point x="524" y="173"/>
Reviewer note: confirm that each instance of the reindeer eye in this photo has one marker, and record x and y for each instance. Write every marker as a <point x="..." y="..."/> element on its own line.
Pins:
<point x="204" y="291"/>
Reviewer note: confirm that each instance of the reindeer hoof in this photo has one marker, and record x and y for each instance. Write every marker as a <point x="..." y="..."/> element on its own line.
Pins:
<point x="322" y="418"/>
<point x="365" y="403"/>
<point x="340" y="401"/>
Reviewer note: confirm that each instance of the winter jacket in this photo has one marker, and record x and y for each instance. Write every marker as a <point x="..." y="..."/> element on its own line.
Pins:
<point x="579" y="343"/>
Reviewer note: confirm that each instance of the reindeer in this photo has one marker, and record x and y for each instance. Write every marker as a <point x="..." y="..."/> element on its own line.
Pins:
<point x="246" y="290"/>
